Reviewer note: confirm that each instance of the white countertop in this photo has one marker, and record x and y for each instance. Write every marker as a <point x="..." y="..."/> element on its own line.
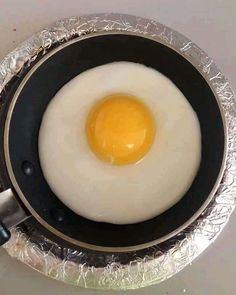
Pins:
<point x="209" y="23"/>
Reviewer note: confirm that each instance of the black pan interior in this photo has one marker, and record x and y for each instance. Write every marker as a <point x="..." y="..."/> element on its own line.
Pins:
<point x="65" y="65"/>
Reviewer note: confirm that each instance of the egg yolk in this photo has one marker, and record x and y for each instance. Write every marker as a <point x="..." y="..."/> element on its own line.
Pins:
<point x="120" y="129"/>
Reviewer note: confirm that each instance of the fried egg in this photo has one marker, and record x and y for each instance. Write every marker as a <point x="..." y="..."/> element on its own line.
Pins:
<point x="119" y="143"/>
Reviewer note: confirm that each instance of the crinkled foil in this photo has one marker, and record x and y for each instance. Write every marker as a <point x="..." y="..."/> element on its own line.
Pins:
<point x="161" y="261"/>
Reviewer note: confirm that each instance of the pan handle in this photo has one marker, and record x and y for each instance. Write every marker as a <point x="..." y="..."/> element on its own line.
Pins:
<point x="4" y="234"/>
<point x="11" y="214"/>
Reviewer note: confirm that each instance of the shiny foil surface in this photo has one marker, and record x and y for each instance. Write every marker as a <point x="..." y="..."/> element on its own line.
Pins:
<point x="101" y="270"/>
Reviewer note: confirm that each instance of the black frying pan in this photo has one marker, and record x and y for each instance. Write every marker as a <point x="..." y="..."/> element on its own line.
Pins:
<point x="20" y="138"/>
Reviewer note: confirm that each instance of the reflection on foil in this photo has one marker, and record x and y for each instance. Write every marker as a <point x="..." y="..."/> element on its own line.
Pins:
<point x="134" y="269"/>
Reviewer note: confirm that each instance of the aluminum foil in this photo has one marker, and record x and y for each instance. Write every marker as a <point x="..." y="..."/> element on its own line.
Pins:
<point x="162" y="261"/>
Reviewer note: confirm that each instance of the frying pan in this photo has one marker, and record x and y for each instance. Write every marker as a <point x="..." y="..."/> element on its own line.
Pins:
<point x="26" y="192"/>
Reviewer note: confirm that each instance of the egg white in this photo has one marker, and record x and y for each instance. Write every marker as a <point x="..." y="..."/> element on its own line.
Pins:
<point x="119" y="194"/>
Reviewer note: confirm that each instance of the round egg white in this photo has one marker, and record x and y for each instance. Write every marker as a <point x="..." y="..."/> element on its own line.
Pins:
<point x="119" y="194"/>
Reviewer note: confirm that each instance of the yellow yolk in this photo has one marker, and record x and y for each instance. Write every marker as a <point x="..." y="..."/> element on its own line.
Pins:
<point x="120" y="129"/>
